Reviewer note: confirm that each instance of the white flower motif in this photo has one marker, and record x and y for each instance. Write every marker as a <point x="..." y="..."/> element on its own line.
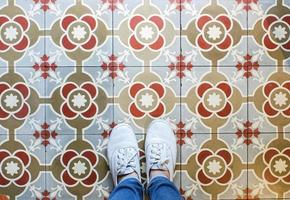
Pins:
<point x="214" y="32"/>
<point x="11" y="33"/>
<point x="12" y="168"/>
<point x="79" y="100"/>
<point x="214" y="100"/>
<point x="280" y="166"/>
<point x="280" y="32"/>
<point x="146" y="32"/>
<point x="280" y="99"/>
<point x="11" y="101"/>
<point x="79" y="168"/>
<point x="214" y="167"/>
<point x="146" y="100"/>
<point x="79" y="32"/>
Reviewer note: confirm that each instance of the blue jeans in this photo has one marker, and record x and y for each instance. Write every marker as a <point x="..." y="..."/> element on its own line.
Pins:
<point x="160" y="188"/>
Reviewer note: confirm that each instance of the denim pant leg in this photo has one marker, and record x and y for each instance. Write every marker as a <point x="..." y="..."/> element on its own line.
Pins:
<point x="161" y="188"/>
<point x="129" y="188"/>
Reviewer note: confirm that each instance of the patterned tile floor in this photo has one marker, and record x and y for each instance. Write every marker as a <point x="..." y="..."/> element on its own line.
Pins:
<point x="217" y="70"/>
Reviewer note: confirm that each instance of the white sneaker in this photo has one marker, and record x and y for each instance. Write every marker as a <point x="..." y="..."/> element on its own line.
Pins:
<point x="160" y="148"/>
<point x="123" y="152"/>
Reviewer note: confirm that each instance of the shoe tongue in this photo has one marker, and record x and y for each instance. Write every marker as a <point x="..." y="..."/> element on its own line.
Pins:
<point x="160" y="167"/>
<point x="128" y="170"/>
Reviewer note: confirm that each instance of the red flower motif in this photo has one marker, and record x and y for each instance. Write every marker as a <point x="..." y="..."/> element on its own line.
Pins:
<point x="46" y="196"/>
<point x="146" y="32"/>
<point x="14" y="168"/>
<point x="277" y="32"/>
<point x="44" y="66"/>
<point x="45" y="134"/>
<point x="180" y="3"/>
<point x="79" y="100"/>
<point x="247" y="195"/>
<point x="247" y="3"/>
<point x="4" y="197"/>
<point x="248" y="133"/>
<point x="248" y="66"/>
<point x="214" y="32"/>
<point x="182" y="192"/>
<point x="181" y="133"/>
<point x="44" y="4"/>
<point x="214" y="99"/>
<point x="278" y="98"/>
<point x="106" y="133"/>
<point x="79" y="167"/>
<point x="278" y="165"/>
<point x="14" y="101"/>
<point x="180" y="66"/>
<point x="113" y="66"/>
<point x="147" y="99"/>
<point x="113" y="3"/>
<point x="214" y="167"/>
<point x="79" y="32"/>
<point x="14" y="33"/>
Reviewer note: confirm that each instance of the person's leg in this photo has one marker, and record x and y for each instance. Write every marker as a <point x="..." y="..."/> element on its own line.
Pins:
<point x="123" y="157"/>
<point x="162" y="188"/>
<point x="160" y="150"/>
<point x="130" y="188"/>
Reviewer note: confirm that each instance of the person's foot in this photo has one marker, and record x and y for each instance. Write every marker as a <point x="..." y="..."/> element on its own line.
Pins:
<point x="160" y="150"/>
<point x="123" y="153"/>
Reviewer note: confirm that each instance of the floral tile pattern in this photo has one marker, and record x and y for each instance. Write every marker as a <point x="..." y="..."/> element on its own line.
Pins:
<point x="217" y="70"/>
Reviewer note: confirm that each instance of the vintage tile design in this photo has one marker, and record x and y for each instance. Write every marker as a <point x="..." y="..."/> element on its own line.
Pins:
<point x="217" y="70"/>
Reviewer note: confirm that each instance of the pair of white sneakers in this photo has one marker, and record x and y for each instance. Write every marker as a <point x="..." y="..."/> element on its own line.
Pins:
<point x="160" y="150"/>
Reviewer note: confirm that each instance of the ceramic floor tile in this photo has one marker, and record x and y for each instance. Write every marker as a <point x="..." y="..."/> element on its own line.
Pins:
<point x="146" y="32"/>
<point x="81" y="101"/>
<point x="60" y="177"/>
<point x="212" y="167"/>
<point x="269" y="99"/>
<point x="269" y="165"/>
<point x="213" y="32"/>
<point x="22" y="33"/>
<point x="214" y="100"/>
<point x="79" y="32"/>
<point x="21" y="101"/>
<point x="146" y="95"/>
<point x="21" y="167"/>
<point x="265" y="22"/>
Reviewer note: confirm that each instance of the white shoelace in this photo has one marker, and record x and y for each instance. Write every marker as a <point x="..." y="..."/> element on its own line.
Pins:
<point x="126" y="160"/>
<point x="159" y="157"/>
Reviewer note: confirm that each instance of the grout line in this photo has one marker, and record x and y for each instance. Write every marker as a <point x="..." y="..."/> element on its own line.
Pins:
<point x="113" y="50"/>
<point x="45" y="107"/>
<point x="143" y="133"/>
<point x="180" y="93"/>
<point x="157" y="66"/>
<point x="247" y="172"/>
